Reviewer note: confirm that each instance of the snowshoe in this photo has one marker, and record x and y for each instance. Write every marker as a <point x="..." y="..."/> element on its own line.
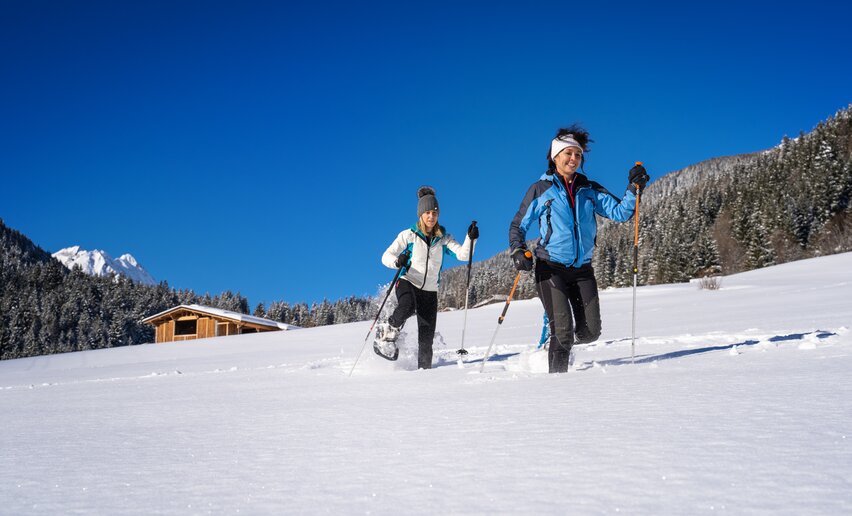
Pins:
<point x="386" y="349"/>
<point x="384" y="343"/>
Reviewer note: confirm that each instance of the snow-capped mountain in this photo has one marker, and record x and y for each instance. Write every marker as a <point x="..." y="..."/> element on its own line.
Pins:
<point x="99" y="263"/>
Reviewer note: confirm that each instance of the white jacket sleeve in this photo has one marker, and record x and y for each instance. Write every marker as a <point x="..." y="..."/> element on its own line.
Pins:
<point x="394" y="250"/>
<point x="460" y="251"/>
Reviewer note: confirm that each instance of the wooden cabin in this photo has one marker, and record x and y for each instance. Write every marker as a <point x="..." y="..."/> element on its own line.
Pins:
<point x="188" y="322"/>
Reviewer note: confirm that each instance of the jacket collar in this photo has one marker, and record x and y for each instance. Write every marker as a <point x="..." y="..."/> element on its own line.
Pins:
<point x="579" y="182"/>
<point x="416" y="230"/>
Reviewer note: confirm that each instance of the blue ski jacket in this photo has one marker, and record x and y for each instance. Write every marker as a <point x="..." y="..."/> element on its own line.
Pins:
<point x="567" y="223"/>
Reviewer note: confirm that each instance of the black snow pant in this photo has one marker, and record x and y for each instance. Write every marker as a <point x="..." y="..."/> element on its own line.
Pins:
<point x="570" y="298"/>
<point x="424" y="303"/>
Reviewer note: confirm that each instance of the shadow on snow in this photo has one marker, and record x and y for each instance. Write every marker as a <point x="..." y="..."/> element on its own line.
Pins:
<point x="493" y="358"/>
<point x="644" y="359"/>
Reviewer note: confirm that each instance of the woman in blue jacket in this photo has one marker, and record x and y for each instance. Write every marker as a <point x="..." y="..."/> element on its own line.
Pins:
<point x="564" y="203"/>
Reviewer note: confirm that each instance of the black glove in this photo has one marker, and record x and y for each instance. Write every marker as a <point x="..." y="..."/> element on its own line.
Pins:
<point x="522" y="261"/>
<point x="403" y="258"/>
<point x="473" y="231"/>
<point x="637" y="177"/>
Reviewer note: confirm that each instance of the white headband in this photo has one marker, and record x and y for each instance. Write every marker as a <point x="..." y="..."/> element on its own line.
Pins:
<point x="560" y="143"/>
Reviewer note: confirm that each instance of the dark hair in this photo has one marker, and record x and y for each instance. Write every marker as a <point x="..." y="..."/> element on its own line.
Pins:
<point x="580" y="134"/>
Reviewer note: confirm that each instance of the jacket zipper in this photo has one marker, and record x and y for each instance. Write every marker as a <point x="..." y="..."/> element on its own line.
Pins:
<point x="426" y="271"/>
<point x="549" y="227"/>
<point x="576" y="231"/>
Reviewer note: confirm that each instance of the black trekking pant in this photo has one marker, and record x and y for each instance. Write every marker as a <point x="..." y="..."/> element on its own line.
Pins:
<point x="570" y="298"/>
<point x="424" y="303"/>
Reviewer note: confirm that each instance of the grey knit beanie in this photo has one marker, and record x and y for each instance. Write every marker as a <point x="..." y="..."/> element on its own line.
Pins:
<point x="427" y="200"/>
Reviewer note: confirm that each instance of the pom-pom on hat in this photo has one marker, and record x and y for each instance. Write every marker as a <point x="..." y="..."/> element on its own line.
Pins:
<point x="427" y="200"/>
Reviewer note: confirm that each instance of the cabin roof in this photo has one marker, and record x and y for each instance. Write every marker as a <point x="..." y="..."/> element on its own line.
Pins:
<point x="218" y="313"/>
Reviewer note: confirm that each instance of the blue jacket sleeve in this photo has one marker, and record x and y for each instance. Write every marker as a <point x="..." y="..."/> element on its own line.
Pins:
<point x="529" y="211"/>
<point x="611" y="207"/>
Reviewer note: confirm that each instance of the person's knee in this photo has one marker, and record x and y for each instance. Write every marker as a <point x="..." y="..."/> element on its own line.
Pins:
<point x="588" y="334"/>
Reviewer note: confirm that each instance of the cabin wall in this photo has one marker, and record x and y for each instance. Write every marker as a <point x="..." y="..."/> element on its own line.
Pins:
<point x="206" y="327"/>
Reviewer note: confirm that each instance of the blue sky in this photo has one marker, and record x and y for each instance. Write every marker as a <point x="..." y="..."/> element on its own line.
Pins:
<point x="276" y="150"/>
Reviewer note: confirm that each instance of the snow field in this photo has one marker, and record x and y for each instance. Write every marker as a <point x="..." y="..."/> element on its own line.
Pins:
<point x="738" y="402"/>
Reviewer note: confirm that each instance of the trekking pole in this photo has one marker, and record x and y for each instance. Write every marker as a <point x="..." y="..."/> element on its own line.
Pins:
<point x="502" y="316"/>
<point x="462" y="352"/>
<point x="390" y="289"/>
<point x="635" y="273"/>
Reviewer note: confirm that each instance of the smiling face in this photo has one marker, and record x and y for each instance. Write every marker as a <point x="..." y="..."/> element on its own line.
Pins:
<point x="429" y="219"/>
<point x="568" y="161"/>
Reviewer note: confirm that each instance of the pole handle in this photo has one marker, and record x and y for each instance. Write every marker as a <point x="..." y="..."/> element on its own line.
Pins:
<point x="638" y="164"/>
<point x="470" y="256"/>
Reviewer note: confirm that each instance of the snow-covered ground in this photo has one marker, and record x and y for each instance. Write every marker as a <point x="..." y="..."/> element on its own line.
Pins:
<point x="740" y="401"/>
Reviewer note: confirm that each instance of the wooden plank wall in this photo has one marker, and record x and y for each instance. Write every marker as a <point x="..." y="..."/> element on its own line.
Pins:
<point x="205" y="328"/>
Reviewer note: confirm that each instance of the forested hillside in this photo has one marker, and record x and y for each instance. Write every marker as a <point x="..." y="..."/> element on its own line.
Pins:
<point x="723" y="215"/>
<point x="785" y="204"/>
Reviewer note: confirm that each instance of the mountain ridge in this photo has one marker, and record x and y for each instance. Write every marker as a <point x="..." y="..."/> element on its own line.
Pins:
<point x="100" y="263"/>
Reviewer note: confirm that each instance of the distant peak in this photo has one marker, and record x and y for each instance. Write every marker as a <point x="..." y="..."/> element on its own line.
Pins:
<point x="129" y="259"/>
<point x="68" y="251"/>
<point x="99" y="263"/>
